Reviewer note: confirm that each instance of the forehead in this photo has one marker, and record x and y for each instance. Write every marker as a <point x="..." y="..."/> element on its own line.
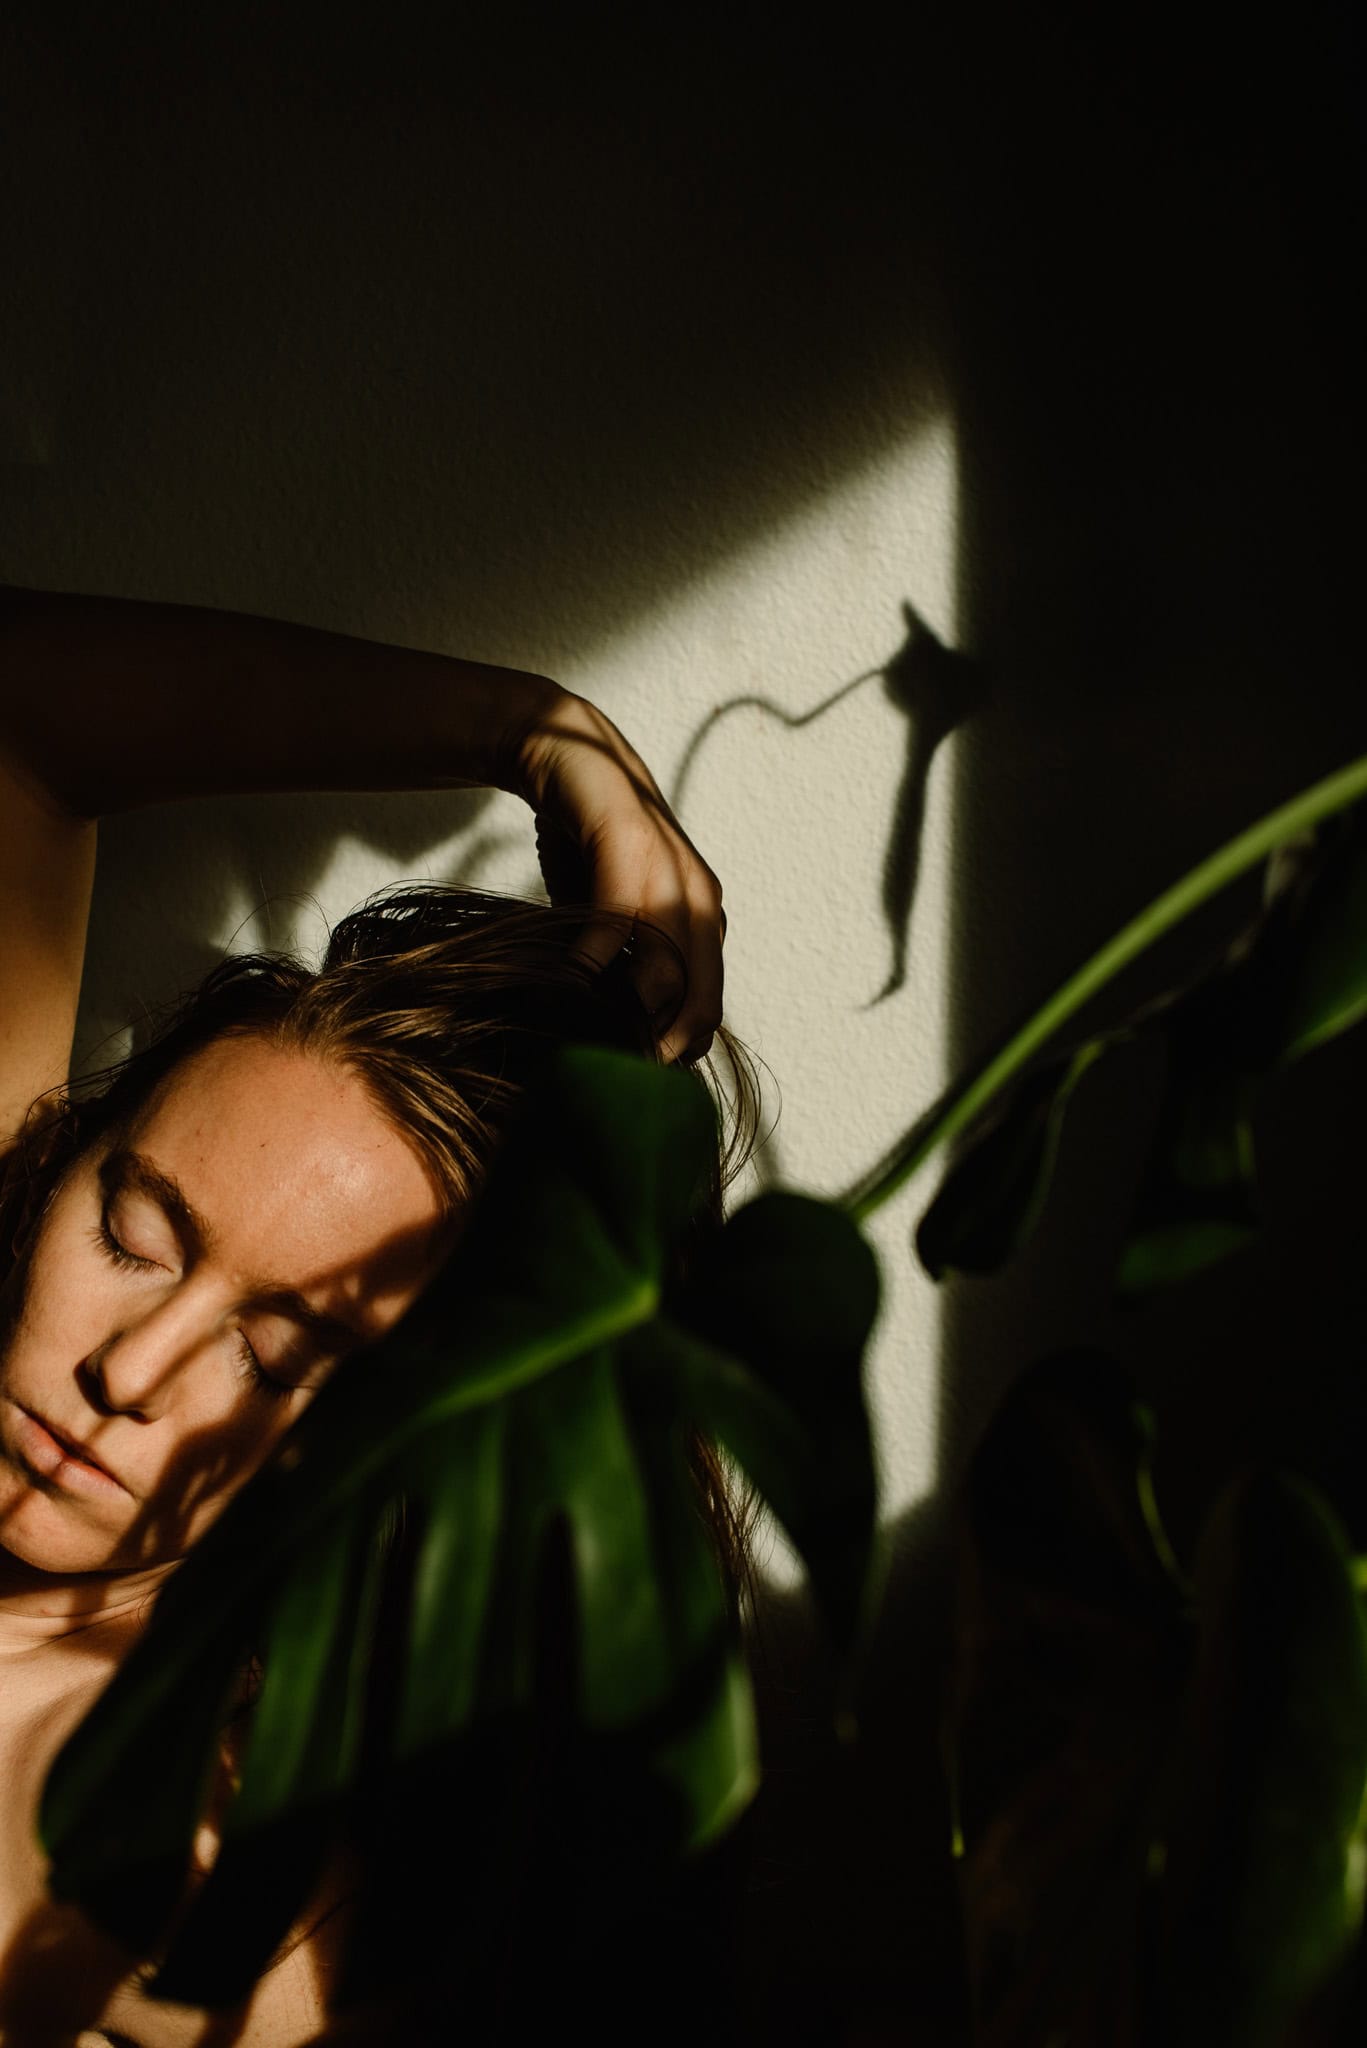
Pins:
<point x="293" y="1166"/>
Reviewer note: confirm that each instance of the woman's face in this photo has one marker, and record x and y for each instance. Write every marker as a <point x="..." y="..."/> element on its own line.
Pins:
<point x="188" y="1290"/>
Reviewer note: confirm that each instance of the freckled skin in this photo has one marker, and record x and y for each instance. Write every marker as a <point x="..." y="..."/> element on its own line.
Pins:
<point x="305" y="1186"/>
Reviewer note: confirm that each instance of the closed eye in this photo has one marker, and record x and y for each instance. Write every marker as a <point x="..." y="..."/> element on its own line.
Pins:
<point x="251" y="1367"/>
<point x="103" y="1236"/>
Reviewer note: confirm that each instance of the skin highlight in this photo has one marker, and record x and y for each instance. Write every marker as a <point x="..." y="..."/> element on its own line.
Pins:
<point x="139" y="1356"/>
<point x="141" y="1332"/>
<point x="266" y="1186"/>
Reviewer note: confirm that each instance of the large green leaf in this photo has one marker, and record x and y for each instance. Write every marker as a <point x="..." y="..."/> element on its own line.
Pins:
<point x="1158" y="1787"/>
<point x="535" y="1408"/>
<point x="768" y="1359"/>
<point x="972" y="1093"/>
<point x="1261" y="1900"/>
<point x="1196" y="1201"/>
<point x="1292" y="983"/>
<point x="1301" y="978"/>
<point x="1071" y="1639"/>
<point x="301" y="1752"/>
<point x="1324" y="973"/>
<point x="992" y="1197"/>
<point x="1293" y="980"/>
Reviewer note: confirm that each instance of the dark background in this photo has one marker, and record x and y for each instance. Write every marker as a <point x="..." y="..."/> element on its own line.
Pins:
<point x="1143" y="234"/>
<point x="1125" y="247"/>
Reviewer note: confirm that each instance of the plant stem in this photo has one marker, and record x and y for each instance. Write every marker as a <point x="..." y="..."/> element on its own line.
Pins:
<point x="970" y="1094"/>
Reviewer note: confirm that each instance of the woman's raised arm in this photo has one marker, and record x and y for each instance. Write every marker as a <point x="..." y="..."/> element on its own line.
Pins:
<point x="110" y="703"/>
<point x="47" y="865"/>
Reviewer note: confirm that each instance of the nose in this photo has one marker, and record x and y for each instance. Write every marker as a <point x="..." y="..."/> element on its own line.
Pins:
<point x="136" y="1370"/>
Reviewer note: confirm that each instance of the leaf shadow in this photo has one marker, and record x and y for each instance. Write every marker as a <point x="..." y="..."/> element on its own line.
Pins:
<point x="936" y="689"/>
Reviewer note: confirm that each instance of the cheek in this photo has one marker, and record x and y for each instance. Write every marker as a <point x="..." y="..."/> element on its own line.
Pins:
<point x="206" y="1466"/>
<point x="62" y="1300"/>
<point x="204" y="1472"/>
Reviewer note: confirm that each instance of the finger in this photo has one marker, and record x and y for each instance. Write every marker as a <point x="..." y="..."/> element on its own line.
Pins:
<point x="636" y="872"/>
<point x="689" y="1037"/>
<point x="566" y="871"/>
<point x="675" y="955"/>
<point x="609" y="875"/>
<point x="660" y="972"/>
<point x="687" y="1043"/>
<point x="600" y="940"/>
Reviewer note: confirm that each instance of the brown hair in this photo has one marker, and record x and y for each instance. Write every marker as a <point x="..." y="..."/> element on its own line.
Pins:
<point x="445" y="1002"/>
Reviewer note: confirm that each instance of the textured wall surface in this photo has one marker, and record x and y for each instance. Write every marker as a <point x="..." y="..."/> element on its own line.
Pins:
<point x="520" y="386"/>
<point x="1007" y="372"/>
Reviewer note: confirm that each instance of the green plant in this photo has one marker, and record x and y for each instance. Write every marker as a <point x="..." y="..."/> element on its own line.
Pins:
<point x="538" y="1395"/>
<point x="533" y="1407"/>
<point x="1158" y="1777"/>
<point x="1158" y="1773"/>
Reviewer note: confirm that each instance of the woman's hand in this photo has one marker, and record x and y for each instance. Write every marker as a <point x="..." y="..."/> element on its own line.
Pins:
<point x="277" y="706"/>
<point x="606" y="835"/>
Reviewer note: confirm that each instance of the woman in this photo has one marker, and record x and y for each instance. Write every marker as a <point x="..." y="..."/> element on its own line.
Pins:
<point x="272" y="1184"/>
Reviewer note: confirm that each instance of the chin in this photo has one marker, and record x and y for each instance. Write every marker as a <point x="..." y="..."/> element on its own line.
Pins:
<point x="43" y="1533"/>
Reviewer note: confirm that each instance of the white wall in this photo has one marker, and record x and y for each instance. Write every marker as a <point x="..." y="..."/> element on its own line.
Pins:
<point x="677" y="373"/>
<point x="413" y="373"/>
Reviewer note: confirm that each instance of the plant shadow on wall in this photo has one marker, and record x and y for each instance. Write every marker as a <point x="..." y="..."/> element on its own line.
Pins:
<point x="936" y="689"/>
<point x="236" y="852"/>
<point x="1157" y="1749"/>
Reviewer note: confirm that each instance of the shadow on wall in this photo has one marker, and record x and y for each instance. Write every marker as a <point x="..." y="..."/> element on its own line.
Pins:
<point x="1161" y="486"/>
<point x="936" y="690"/>
<point x="1156" y="414"/>
<point x="1160" y="437"/>
<point x="199" y="869"/>
<point x="471" y="339"/>
<point x="1158" y="552"/>
<point x="228" y="853"/>
<point x="474" y="337"/>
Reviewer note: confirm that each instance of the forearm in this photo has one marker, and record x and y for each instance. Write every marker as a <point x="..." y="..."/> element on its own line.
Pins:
<point x="113" y="703"/>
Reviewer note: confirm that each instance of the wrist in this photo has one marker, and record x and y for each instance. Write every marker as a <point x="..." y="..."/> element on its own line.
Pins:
<point x="533" y="737"/>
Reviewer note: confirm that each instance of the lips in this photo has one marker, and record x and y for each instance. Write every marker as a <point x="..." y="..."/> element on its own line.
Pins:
<point x="76" y="1447"/>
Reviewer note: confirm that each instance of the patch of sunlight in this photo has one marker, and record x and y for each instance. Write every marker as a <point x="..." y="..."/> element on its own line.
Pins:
<point x="498" y="852"/>
<point x="797" y="819"/>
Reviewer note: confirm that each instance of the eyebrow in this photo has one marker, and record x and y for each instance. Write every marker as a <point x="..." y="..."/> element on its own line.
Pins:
<point x="125" y="1168"/>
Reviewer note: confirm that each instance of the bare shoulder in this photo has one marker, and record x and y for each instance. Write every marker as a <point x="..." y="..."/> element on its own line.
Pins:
<point x="290" y="2006"/>
<point x="47" y="866"/>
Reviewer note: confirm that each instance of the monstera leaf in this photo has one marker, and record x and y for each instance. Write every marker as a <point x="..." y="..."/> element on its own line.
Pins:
<point x="1262" y="1893"/>
<point x="1294" y="980"/>
<point x="992" y="1198"/>
<point x="529" y="1417"/>
<point x="1292" y="983"/>
<point x="1071" y="1641"/>
<point x="1196" y="1201"/>
<point x="1324" y="985"/>
<point x="1158" y="1786"/>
